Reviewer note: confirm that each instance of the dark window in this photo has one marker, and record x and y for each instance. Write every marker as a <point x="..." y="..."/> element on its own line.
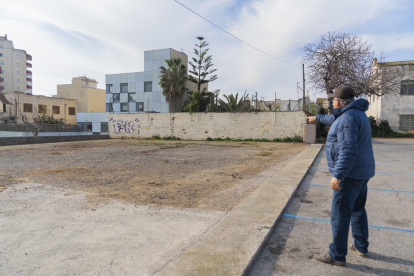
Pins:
<point x="56" y="109"/>
<point x="4" y="108"/>
<point x="124" y="87"/>
<point x="28" y="108"/>
<point x="148" y="86"/>
<point x="108" y="108"/>
<point x="88" y="126"/>
<point x="140" y="107"/>
<point x="42" y="108"/>
<point x="72" y="111"/>
<point x="124" y="107"/>
<point x="130" y="95"/>
<point x="406" y="121"/>
<point x="407" y="88"/>
<point x="117" y="98"/>
<point x="109" y="88"/>
<point x="1" y="54"/>
<point x="81" y="127"/>
<point x="104" y="127"/>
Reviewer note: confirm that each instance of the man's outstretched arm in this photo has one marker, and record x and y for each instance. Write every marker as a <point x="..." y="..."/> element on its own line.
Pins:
<point x="324" y="119"/>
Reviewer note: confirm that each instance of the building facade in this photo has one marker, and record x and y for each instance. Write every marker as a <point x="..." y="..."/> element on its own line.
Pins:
<point x="140" y="91"/>
<point x="14" y="68"/>
<point x="96" y="122"/>
<point x="397" y="109"/>
<point x="29" y="105"/>
<point x="84" y="90"/>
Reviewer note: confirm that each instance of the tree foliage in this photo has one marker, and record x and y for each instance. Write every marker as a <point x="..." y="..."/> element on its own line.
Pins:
<point x="172" y="81"/>
<point x="201" y="65"/>
<point x="345" y="59"/>
<point x="234" y="104"/>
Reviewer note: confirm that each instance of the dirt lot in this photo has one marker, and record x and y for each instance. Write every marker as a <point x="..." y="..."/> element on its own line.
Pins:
<point x="206" y="175"/>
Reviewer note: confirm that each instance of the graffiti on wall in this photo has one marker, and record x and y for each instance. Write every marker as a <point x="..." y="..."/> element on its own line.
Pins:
<point x="121" y="126"/>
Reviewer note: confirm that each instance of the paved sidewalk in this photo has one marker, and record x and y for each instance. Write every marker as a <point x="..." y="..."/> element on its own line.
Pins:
<point x="305" y="229"/>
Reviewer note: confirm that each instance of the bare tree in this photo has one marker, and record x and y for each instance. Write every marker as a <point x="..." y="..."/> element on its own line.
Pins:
<point x="345" y="59"/>
<point x="40" y="120"/>
<point x="269" y="105"/>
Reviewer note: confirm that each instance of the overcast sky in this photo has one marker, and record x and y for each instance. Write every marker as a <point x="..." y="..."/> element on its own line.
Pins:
<point x="93" y="38"/>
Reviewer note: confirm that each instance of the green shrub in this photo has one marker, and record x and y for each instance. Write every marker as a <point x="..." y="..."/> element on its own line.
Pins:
<point x="287" y="140"/>
<point x="209" y="139"/>
<point x="156" y="137"/>
<point x="277" y="140"/>
<point x="248" y="140"/>
<point x="227" y="139"/>
<point x="218" y="139"/>
<point x="383" y="129"/>
<point x="297" y="139"/>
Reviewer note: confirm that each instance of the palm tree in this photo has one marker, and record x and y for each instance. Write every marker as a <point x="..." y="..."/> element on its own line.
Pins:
<point x="233" y="104"/>
<point x="172" y="82"/>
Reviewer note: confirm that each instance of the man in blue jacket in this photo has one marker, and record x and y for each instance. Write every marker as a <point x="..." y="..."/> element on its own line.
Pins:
<point x="351" y="163"/>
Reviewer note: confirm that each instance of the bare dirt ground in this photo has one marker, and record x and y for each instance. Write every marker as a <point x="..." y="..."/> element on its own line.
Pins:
<point x="206" y="175"/>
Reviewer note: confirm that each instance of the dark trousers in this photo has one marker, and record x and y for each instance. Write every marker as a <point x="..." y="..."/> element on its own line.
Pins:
<point x="348" y="206"/>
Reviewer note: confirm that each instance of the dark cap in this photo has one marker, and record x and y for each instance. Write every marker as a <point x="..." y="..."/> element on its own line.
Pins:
<point x="344" y="92"/>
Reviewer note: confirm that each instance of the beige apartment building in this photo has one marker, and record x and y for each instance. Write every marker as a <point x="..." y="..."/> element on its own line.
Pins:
<point x="85" y="91"/>
<point x="14" y="68"/>
<point x="397" y="109"/>
<point x="13" y="104"/>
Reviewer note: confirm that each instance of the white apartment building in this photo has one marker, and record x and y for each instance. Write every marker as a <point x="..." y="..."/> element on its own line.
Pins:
<point x="14" y="68"/>
<point x="397" y="109"/>
<point x="139" y="91"/>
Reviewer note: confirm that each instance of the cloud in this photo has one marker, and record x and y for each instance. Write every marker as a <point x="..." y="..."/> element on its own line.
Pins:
<point x="94" y="38"/>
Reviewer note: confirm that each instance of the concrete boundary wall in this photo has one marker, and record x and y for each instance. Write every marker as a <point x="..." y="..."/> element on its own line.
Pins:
<point x="199" y="126"/>
<point x="9" y="141"/>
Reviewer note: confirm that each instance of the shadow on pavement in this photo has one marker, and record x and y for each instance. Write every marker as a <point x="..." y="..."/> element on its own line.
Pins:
<point x="377" y="271"/>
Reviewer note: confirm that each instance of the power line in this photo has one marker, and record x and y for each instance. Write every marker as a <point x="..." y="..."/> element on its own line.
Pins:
<point x="235" y="36"/>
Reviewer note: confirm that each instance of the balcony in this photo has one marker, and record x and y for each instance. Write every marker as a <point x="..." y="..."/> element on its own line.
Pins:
<point x="28" y="57"/>
<point x="28" y="65"/>
<point x="28" y="72"/>
<point x="28" y="79"/>
<point x="29" y="87"/>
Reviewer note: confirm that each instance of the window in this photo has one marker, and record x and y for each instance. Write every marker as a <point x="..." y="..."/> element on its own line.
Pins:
<point x="124" y="107"/>
<point x="18" y="88"/>
<point x="108" y="108"/>
<point x="1" y="45"/>
<point x="72" y="111"/>
<point x="56" y="109"/>
<point x="18" y="56"/>
<point x="1" y="54"/>
<point x="407" y="88"/>
<point x="2" y="71"/>
<point x="104" y="127"/>
<point x="130" y="97"/>
<point x="88" y="125"/>
<point x="27" y="108"/>
<point x="18" y="72"/>
<point x="117" y="98"/>
<point x="42" y="108"/>
<point x="406" y="121"/>
<point x="18" y="80"/>
<point x="109" y="88"/>
<point x="148" y="86"/>
<point x="140" y="107"/>
<point x="124" y="87"/>
<point x="4" y="108"/>
<point x="1" y="62"/>
<point x="18" y="64"/>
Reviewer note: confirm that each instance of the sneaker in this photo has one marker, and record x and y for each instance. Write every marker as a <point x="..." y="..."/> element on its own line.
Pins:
<point x="353" y="248"/>
<point x="326" y="258"/>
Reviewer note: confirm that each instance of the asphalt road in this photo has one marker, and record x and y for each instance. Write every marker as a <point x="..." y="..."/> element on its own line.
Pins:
<point x="305" y="230"/>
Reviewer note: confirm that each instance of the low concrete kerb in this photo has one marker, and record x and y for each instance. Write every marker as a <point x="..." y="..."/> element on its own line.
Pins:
<point x="234" y="243"/>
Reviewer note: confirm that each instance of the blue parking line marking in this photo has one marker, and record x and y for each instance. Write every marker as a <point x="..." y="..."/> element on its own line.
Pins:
<point x="373" y="189"/>
<point x="370" y="226"/>
<point x="325" y="169"/>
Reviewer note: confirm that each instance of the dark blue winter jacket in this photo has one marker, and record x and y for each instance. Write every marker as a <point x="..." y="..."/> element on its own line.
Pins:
<point x="349" y="143"/>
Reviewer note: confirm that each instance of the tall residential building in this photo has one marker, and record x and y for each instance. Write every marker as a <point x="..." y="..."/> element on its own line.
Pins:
<point x="84" y="90"/>
<point x="14" y="65"/>
<point x="139" y="91"/>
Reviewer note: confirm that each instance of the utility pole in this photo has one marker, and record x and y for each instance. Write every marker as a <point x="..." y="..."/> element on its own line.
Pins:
<point x="256" y="100"/>
<point x="304" y="104"/>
